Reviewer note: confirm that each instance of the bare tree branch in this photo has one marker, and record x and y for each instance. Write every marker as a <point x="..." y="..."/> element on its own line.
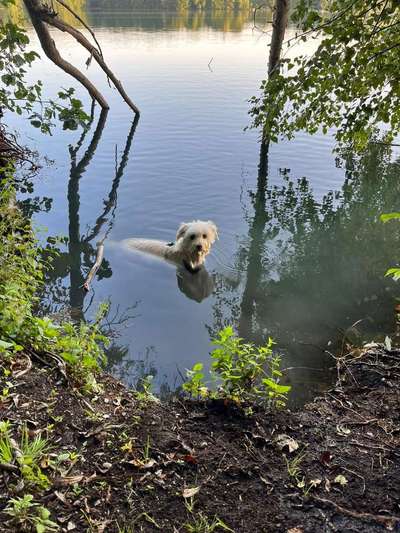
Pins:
<point x="34" y="9"/>
<point x="89" y="29"/>
<point x="63" y="26"/>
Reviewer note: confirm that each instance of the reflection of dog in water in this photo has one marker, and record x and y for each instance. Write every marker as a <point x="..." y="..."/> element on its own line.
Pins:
<point x="193" y="244"/>
<point x="196" y="286"/>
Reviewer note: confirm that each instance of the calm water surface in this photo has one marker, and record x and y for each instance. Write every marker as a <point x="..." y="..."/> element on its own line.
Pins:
<point x="301" y="253"/>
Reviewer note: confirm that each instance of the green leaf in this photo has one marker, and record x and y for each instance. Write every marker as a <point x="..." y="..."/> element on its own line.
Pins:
<point x="389" y="216"/>
<point x="6" y="345"/>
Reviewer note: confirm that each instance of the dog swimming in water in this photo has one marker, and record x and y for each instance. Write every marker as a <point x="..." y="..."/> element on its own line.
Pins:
<point x="193" y="243"/>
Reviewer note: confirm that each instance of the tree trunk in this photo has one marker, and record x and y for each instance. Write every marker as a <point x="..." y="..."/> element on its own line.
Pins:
<point x="280" y="20"/>
<point x="261" y="217"/>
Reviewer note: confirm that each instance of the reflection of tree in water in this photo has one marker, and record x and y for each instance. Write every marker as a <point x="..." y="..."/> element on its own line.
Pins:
<point x="150" y="15"/>
<point x="77" y="261"/>
<point x="311" y="269"/>
<point x="220" y="15"/>
<point x="17" y="13"/>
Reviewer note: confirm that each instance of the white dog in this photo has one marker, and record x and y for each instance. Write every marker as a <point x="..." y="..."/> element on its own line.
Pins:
<point x="193" y="244"/>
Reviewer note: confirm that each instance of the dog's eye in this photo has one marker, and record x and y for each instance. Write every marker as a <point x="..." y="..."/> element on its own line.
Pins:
<point x="192" y="237"/>
<point x="204" y="236"/>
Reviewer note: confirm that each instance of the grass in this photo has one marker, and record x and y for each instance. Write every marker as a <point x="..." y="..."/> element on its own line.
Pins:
<point x="293" y="465"/>
<point x="6" y="449"/>
<point x="200" y="523"/>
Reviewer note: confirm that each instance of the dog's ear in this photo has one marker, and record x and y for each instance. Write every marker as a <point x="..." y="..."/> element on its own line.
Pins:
<point x="214" y="229"/>
<point x="181" y="230"/>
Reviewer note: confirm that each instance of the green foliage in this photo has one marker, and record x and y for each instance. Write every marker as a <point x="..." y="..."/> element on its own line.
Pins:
<point x="19" y="96"/>
<point x="144" y="393"/>
<point x="395" y="271"/>
<point x="349" y="83"/>
<point x="390" y="216"/>
<point x="200" y="523"/>
<point x="245" y="372"/>
<point x="78" y="346"/>
<point x="25" y="512"/>
<point x="6" y="449"/>
<point x="195" y="384"/>
<point x="28" y="455"/>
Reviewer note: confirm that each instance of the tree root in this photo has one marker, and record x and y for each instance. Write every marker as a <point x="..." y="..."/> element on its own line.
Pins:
<point x="389" y="521"/>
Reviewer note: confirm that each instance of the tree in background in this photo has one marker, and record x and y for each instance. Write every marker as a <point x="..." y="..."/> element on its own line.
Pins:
<point x="350" y="82"/>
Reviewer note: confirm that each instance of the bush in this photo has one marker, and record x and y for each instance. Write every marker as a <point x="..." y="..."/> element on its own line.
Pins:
<point x="21" y="274"/>
<point x="243" y="372"/>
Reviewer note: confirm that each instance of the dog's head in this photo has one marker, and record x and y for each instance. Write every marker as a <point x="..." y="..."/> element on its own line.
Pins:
<point x="195" y="239"/>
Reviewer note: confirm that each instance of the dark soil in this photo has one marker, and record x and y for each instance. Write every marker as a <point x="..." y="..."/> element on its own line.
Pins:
<point x="138" y="459"/>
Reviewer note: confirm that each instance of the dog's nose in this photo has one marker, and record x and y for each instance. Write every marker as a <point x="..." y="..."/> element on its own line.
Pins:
<point x="199" y="247"/>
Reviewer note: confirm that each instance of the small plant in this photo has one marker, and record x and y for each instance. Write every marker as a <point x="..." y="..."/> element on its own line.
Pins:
<point x="245" y="372"/>
<point x="147" y="450"/>
<point x="32" y="450"/>
<point x="195" y="385"/>
<point x="200" y="523"/>
<point x="293" y="465"/>
<point x="144" y="393"/>
<point x="30" y="454"/>
<point x="25" y="512"/>
<point x="294" y="470"/>
<point x="6" y="449"/>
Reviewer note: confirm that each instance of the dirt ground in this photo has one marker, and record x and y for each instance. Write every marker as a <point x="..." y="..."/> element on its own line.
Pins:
<point x="139" y="465"/>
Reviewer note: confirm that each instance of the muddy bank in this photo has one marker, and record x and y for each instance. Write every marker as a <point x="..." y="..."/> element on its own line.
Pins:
<point x="118" y="461"/>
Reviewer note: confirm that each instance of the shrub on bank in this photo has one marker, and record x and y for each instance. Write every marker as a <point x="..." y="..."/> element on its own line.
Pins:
<point x="76" y="348"/>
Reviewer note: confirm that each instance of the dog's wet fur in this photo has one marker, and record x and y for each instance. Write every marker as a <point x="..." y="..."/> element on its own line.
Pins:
<point x="193" y="243"/>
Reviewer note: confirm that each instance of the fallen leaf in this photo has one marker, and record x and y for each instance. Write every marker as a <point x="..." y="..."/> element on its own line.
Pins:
<point x="71" y="526"/>
<point x="284" y="441"/>
<point x="343" y="430"/>
<point x="190" y="459"/>
<point x="388" y="343"/>
<point x="101" y="526"/>
<point x="327" y="485"/>
<point x="60" y="496"/>
<point x="325" y="457"/>
<point x="140" y="464"/>
<point x="341" y="480"/>
<point x="371" y="345"/>
<point x="105" y="467"/>
<point x="295" y="530"/>
<point x="69" y="480"/>
<point x="188" y="493"/>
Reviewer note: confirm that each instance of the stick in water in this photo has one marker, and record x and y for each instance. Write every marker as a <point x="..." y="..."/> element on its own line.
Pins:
<point x="96" y="266"/>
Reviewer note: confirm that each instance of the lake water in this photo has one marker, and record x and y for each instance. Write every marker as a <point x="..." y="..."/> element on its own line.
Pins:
<point x="300" y="257"/>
